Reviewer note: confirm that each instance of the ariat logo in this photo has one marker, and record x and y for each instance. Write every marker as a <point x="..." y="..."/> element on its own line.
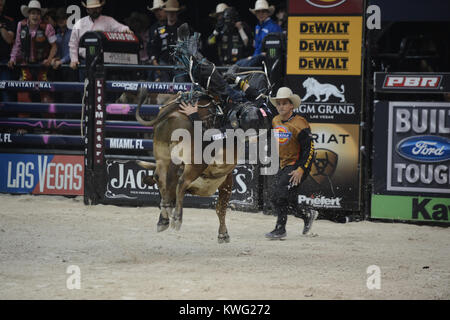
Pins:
<point x="325" y="3"/>
<point x="324" y="165"/>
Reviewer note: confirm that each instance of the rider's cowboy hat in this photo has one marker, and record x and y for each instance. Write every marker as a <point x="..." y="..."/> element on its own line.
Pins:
<point x="173" y="6"/>
<point x="91" y="4"/>
<point x="286" y="93"/>
<point x="220" y="8"/>
<point x="262" y="5"/>
<point x="33" y="4"/>
<point x="157" y="4"/>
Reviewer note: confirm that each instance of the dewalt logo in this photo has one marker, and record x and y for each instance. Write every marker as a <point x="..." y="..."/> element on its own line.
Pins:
<point x="324" y="45"/>
<point x="327" y="27"/>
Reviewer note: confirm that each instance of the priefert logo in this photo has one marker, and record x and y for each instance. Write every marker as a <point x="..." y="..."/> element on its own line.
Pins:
<point x="320" y="201"/>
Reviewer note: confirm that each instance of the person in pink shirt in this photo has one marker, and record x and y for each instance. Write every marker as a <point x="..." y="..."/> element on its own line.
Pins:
<point x="95" y="21"/>
<point x="35" y="44"/>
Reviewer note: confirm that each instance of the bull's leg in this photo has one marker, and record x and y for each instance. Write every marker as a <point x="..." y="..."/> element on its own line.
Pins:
<point x="190" y="173"/>
<point x="221" y="207"/>
<point x="166" y="207"/>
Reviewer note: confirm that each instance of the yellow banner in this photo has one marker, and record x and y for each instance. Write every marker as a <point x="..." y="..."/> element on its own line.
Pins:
<point x="324" y="45"/>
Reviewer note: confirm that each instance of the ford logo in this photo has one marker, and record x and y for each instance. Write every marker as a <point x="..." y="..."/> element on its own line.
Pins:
<point x="425" y="148"/>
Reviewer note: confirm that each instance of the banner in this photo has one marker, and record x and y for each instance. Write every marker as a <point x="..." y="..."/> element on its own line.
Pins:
<point x="324" y="45"/>
<point x="334" y="177"/>
<point x="124" y="184"/>
<point x="418" y="208"/>
<point x="41" y="174"/>
<point x="411" y="170"/>
<point x="324" y="7"/>
<point x="412" y="82"/>
<point x="327" y="99"/>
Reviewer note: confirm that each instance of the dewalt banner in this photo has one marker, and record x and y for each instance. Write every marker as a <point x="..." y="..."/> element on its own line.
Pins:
<point x="328" y="45"/>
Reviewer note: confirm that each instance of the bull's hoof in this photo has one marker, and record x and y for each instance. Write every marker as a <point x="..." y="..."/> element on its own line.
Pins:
<point x="163" y="225"/>
<point x="176" y="224"/>
<point x="223" y="238"/>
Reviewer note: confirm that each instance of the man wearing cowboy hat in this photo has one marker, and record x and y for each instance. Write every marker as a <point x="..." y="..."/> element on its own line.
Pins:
<point x="7" y="28"/>
<point x="35" y="43"/>
<point x="95" y="21"/>
<point x="164" y="37"/>
<point x="296" y="153"/>
<point x="161" y="20"/>
<point x="265" y="25"/>
<point x="233" y="37"/>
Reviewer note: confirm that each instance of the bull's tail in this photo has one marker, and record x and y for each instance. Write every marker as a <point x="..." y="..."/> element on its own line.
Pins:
<point x="146" y="165"/>
<point x="167" y="109"/>
<point x="148" y="180"/>
<point x="342" y="88"/>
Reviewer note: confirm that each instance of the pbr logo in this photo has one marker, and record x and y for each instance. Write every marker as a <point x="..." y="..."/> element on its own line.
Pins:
<point x="325" y="3"/>
<point x="413" y="82"/>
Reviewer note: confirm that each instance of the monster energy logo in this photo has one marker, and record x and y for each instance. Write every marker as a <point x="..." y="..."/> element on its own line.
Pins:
<point x="92" y="50"/>
<point x="272" y="52"/>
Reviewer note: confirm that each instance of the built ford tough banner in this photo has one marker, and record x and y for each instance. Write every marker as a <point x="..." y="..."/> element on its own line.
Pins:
<point x="411" y="169"/>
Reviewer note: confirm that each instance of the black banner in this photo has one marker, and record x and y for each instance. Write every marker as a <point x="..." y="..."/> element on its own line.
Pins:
<point x="412" y="82"/>
<point x="414" y="156"/>
<point x="124" y="186"/>
<point x="328" y="99"/>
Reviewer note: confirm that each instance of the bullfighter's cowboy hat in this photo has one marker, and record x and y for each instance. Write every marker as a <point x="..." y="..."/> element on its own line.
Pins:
<point x="33" y="4"/>
<point x="157" y="4"/>
<point x="262" y="5"/>
<point x="220" y="8"/>
<point x="173" y="6"/>
<point x="286" y="93"/>
<point x="91" y="4"/>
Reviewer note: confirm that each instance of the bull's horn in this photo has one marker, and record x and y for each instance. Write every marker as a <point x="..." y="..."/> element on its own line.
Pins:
<point x="146" y="165"/>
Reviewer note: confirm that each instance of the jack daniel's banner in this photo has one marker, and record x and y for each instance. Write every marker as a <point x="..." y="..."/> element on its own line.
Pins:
<point x="124" y="186"/>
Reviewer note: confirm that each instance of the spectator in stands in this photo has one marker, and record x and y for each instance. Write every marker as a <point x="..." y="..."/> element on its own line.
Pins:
<point x="6" y="41"/>
<point x="265" y="25"/>
<point x="139" y="23"/>
<point x="161" y="20"/>
<point x="50" y="17"/>
<point x="63" y="35"/>
<point x="35" y="44"/>
<point x="163" y="38"/>
<point x="218" y="15"/>
<point x="95" y="21"/>
<point x="233" y="37"/>
<point x="282" y="19"/>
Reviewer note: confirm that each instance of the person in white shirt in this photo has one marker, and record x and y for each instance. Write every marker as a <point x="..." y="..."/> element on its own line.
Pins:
<point x="95" y="21"/>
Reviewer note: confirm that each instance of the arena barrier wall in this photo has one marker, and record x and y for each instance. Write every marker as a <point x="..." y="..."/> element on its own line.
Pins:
<point x="50" y="157"/>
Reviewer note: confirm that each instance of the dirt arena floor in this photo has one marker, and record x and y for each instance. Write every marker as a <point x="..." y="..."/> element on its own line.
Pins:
<point x="121" y="256"/>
